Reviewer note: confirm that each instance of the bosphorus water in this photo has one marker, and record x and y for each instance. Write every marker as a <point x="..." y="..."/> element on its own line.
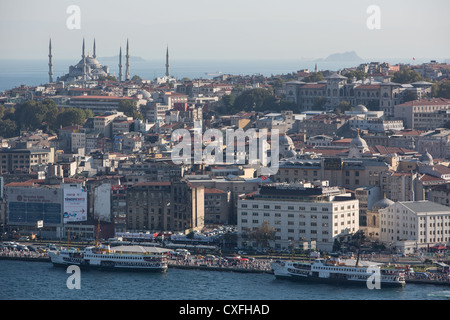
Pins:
<point x="21" y="280"/>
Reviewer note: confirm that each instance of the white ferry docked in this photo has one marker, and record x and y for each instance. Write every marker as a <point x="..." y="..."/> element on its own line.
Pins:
<point x="334" y="271"/>
<point x="116" y="258"/>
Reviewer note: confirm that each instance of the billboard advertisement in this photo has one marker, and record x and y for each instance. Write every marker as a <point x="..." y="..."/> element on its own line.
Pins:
<point x="75" y="205"/>
<point x="26" y="206"/>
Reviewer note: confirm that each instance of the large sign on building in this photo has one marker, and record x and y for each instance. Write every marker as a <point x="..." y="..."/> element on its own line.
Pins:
<point x="29" y="205"/>
<point x="75" y="204"/>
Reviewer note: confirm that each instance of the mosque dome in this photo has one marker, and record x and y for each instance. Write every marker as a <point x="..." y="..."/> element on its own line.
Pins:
<point x="426" y="158"/>
<point x="92" y="62"/>
<point x="383" y="203"/>
<point x="285" y="140"/>
<point x="359" y="142"/>
<point x="145" y="94"/>
<point x="291" y="153"/>
<point x="361" y="108"/>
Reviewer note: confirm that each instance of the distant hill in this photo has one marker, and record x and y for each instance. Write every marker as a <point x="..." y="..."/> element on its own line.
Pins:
<point x="343" y="57"/>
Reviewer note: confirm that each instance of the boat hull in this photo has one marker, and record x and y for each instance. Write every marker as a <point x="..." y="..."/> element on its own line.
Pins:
<point x="335" y="281"/>
<point x="60" y="260"/>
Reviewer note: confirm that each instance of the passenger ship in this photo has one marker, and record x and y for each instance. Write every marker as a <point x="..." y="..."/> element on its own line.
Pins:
<point x="117" y="258"/>
<point x="332" y="271"/>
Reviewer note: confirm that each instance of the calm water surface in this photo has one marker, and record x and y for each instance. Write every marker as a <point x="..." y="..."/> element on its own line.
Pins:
<point x="41" y="281"/>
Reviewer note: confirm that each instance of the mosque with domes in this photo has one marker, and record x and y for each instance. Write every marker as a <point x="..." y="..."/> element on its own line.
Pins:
<point x="89" y="68"/>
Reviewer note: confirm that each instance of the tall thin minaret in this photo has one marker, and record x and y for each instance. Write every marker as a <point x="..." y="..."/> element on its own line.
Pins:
<point x="50" y="62"/>
<point x="83" y="56"/>
<point x="127" y="64"/>
<point x="82" y="51"/>
<point x="167" y="62"/>
<point x="120" y="64"/>
<point x="94" y="55"/>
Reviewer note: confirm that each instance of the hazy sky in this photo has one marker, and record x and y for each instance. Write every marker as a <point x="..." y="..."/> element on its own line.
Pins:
<point x="226" y="29"/>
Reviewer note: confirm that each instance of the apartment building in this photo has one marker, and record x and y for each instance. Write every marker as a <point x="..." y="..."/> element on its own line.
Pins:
<point x="164" y="206"/>
<point x="24" y="159"/>
<point x="421" y="223"/>
<point x="298" y="213"/>
<point x="424" y="114"/>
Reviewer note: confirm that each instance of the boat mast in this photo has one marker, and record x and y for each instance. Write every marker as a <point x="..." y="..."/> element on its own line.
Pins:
<point x="359" y="247"/>
<point x="68" y="239"/>
<point x="98" y="231"/>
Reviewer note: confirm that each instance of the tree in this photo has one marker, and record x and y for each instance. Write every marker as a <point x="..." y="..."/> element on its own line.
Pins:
<point x="314" y="77"/>
<point x="136" y="78"/>
<point x="88" y="113"/>
<point x="8" y="128"/>
<point x="71" y="116"/>
<point x="319" y="104"/>
<point x="32" y="115"/>
<point x="107" y="78"/>
<point x="277" y="83"/>
<point x="263" y="235"/>
<point x="130" y="109"/>
<point x="410" y="96"/>
<point x="406" y="76"/>
<point x="358" y="74"/>
<point x="441" y="89"/>
<point x="251" y="100"/>
<point x="342" y="107"/>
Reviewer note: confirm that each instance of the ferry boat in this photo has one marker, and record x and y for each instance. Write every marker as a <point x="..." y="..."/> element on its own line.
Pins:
<point x="116" y="258"/>
<point x="335" y="272"/>
<point x="61" y="257"/>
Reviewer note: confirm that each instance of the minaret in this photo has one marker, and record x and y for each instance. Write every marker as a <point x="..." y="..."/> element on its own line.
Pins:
<point x="167" y="63"/>
<point x="83" y="56"/>
<point x="316" y="69"/>
<point x="120" y="64"/>
<point x="94" y="55"/>
<point x="127" y="64"/>
<point x="82" y="51"/>
<point x="50" y="62"/>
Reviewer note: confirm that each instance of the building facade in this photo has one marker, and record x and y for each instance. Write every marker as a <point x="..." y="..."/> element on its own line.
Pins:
<point x="164" y="206"/>
<point x="298" y="214"/>
<point x="424" y="223"/>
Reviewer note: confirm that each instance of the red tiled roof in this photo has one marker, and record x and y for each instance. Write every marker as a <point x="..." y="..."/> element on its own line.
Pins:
<point x="390" y="150"/>
<point x="213" y="190"/>
<point x="429" y="178"/>
<point x="426" y="102"/>
<point x="102" y="97"/>
<point x="157" y="183"/>
<point x="368" y="87"/>
<point x="313" y="86"/>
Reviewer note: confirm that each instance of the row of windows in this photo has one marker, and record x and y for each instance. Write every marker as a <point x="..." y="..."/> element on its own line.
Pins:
<point x="301" y="223"/>
<point x="300" y="208"/>
<point x="301" y="216"/>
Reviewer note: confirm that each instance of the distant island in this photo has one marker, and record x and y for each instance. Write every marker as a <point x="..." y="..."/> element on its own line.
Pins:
<point x="342" y="57"/>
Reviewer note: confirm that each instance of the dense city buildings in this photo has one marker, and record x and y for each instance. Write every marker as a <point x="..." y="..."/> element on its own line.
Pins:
<point x="359" y="149"/>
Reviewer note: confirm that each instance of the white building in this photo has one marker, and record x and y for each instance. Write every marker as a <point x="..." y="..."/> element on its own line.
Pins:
<point x="376" y="125"/>
<point x="423" y="223"/>
<point x="298" y="213"/>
